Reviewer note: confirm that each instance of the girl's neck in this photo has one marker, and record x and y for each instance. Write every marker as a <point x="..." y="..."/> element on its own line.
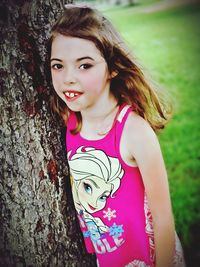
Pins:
<point x="99" y="113"/>
<point x="99" y="123"/>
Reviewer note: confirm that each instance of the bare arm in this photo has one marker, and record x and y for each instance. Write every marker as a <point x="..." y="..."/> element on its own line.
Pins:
<point x="147" y="153"/>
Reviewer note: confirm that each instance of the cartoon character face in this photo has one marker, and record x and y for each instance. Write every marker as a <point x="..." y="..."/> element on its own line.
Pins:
<point x="95" y="178"/>
<point x="93" y="193"/>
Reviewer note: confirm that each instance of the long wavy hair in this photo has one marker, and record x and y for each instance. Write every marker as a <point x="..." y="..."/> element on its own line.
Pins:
<point x="129" y="85"/>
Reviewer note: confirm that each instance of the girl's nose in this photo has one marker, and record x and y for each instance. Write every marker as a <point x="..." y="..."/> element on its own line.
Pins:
<point x="69" y="77"/>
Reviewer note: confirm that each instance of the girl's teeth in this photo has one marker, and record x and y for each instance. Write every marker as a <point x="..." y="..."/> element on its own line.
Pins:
<point x="71" y="95"/>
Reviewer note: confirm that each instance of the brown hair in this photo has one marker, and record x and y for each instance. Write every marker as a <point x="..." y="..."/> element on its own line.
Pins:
<point x="129" y="85"/>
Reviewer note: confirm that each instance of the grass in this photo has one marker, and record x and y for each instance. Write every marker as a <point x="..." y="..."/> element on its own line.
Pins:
<point x="167" y="43"/>
<point x="104" y="7"/>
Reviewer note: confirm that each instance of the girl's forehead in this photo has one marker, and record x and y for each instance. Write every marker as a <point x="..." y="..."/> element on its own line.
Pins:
<point x="74" y="46"/>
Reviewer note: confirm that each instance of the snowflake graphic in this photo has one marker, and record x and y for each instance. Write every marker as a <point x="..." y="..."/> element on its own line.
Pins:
<point x="116" y="230"/>
<point x="109" y="214"/>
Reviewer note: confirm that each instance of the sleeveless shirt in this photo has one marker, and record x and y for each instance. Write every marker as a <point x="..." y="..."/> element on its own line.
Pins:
<point x="110" y="199"/>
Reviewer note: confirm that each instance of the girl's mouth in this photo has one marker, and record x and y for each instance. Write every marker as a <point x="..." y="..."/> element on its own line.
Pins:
<point x="91" y="207"/>
<point x="72" y="95"/>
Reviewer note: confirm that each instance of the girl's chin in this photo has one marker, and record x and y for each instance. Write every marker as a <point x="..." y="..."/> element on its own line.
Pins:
<point x="73" y="107"/>
<point x="93" y="210"/>
<point x="89" y="210"/>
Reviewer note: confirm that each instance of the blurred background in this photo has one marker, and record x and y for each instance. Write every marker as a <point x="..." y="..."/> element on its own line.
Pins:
<point x="164" y="37"/>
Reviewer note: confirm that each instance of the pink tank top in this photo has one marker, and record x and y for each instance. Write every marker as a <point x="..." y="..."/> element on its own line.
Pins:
<point x="109" y="198"/>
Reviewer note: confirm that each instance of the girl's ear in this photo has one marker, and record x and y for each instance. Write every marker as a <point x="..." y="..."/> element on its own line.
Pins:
<point x="113" y="74"/>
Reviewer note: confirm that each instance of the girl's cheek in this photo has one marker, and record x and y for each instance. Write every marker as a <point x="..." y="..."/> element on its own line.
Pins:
<point x="55" y="81"/>
<point x="103" y="205"/>
<point x="100" y="205"/>
<point x="81" y="193"/>
<point x="53" y="76"/>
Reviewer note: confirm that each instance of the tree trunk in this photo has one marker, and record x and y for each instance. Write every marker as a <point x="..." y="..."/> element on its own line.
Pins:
<point x="38" y="226"/>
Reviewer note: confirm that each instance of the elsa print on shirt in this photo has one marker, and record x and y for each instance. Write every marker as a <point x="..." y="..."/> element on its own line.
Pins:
<point x="95" y="177"/>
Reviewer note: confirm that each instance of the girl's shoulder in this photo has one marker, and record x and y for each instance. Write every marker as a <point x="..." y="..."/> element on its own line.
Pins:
<point x="138" y="136"/>
<point x="137" y="127"/>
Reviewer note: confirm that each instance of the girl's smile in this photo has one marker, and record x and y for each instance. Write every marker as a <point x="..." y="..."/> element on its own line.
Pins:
<point x="72" y="95"/>
<point x="79" y="73"/>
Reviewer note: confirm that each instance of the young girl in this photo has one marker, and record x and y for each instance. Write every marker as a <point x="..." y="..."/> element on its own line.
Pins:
<point x="118" y="177"/>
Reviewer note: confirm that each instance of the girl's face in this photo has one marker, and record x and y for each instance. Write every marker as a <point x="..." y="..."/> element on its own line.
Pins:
<point x="79" y="73"/>
<point x="93" y="193"/>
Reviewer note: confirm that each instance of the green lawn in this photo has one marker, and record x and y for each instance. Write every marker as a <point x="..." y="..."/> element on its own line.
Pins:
<point x="167" y="44"/>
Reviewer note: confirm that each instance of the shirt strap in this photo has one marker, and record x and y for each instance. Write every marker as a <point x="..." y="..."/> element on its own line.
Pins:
<point x="121" y="120"/>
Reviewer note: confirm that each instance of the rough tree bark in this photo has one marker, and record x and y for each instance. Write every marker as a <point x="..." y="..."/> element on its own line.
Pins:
<point x="38" y="226"/>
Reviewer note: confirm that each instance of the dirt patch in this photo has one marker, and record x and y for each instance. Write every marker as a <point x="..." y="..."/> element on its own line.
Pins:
<point x="165" y="4"/>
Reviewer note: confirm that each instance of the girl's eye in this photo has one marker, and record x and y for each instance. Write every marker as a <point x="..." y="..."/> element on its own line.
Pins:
<point x="103" y="198"/>
<point x="56" y="66"/>
<point x="85" y="66"/>
<point x="87" y="188"/>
